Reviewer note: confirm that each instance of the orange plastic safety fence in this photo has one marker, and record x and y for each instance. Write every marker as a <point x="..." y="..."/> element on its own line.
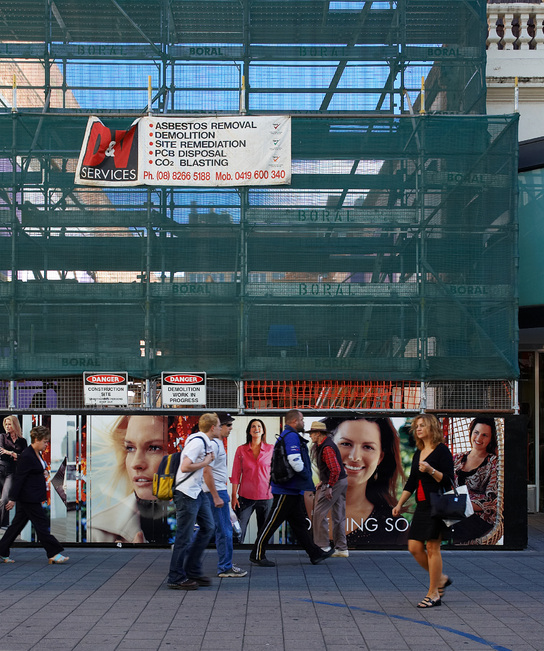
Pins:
<point x="326" y="395"/>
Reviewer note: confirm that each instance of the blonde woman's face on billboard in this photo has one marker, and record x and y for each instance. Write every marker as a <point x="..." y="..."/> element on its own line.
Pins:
<point x="145" y="445"/>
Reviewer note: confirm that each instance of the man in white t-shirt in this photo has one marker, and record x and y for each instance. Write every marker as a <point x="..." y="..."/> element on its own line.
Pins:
<point x="193" y="507"/>
<point x="215" y="487"/>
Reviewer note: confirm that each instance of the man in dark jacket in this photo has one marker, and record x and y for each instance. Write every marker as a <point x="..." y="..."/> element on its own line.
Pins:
<point x="330" y="492"/>
<point x="288" y="502"/>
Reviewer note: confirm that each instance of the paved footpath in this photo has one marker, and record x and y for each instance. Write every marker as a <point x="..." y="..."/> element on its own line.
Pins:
<point x="117" y="599"/>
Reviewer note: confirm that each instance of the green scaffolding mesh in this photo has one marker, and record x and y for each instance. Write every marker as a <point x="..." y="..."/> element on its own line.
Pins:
<point x="392" y="254"/>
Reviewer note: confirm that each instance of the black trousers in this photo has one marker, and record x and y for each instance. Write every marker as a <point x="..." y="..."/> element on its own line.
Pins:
<point x="34" y="512"/>
<point x="292" y="509"/>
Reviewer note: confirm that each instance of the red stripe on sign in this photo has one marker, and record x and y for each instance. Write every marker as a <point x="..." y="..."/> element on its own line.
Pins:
<point x="105" y="379"/>
<point x="184" y="379"/>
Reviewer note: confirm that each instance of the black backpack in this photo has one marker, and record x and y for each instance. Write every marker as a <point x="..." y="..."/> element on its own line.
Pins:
<point x="281" y="470"/>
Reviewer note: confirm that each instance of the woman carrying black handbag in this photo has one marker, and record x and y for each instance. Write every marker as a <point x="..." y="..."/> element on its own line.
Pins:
<point x="432" y="471"/>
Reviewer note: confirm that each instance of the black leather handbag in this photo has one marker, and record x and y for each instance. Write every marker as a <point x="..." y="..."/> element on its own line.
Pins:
<point x="449" y="506"/>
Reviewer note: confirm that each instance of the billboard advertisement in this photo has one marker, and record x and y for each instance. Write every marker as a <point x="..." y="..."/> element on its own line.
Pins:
<point x="102" y="466"/>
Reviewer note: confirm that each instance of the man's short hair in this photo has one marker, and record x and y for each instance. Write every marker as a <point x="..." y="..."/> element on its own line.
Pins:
<point x="292" y="415"/>
<point x="207" y="421"/>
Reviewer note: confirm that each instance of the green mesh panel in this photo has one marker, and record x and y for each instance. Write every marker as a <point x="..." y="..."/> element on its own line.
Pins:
<point x="390" y="256"/>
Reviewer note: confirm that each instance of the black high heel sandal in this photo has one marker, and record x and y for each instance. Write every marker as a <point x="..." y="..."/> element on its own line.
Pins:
<point x="442" y="588"/>
<point x="429" y="603"/>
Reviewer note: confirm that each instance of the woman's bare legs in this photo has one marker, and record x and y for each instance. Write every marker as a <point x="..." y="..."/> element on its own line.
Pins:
<point x="435" y="568"/>
<point x="417" y="549"/>
<point x="429" y="558"/>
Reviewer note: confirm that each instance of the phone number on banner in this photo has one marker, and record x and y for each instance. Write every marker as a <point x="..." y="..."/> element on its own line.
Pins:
<point x="217" y="176"/>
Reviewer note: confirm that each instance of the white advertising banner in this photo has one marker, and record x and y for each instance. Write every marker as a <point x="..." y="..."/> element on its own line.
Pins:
<point x="208" y="151"/>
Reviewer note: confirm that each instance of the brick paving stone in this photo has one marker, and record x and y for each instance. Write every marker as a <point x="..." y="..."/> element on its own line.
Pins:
<point x="117" y="599"/>
<point x="358" y="646"/>
<point x="263" y="644"/>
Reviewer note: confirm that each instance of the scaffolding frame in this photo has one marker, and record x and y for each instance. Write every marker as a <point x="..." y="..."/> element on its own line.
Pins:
<point x="83" y="266"/>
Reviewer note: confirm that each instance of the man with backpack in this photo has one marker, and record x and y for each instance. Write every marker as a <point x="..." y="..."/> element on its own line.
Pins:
<point x="288" y="491"/>
<point x="215" y="488"/>
<point x="193" y="507"/>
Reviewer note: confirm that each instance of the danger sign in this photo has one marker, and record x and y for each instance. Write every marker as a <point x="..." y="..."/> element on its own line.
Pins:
<point x="106" y="389"/>
<point x="183" y="389"/>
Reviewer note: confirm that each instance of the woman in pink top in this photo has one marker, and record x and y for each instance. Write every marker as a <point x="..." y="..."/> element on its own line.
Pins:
<point x="251" y="476"/>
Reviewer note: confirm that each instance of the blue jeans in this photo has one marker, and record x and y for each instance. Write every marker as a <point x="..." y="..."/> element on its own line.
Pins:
<point x="223" y="531"/>
<point x="188" y="551"/>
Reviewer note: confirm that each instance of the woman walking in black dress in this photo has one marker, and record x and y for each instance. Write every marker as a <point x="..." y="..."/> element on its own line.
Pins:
<point x="432" y="469"/>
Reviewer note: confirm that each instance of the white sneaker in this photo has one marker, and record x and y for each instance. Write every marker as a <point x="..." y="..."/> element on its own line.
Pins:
<point x="340" y="553"/>
<point x="326" y="549"/>
<point x="233" y="573"/>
